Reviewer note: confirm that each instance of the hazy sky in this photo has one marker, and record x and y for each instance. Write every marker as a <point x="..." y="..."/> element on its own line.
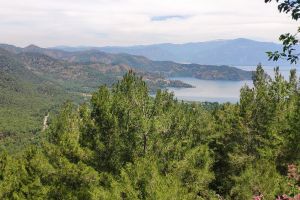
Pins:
<point x="127" y="22"/>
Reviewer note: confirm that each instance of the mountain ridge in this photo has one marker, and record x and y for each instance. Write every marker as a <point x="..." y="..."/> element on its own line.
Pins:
<point x="139" y="63"/>
<point x="234" y="52"/>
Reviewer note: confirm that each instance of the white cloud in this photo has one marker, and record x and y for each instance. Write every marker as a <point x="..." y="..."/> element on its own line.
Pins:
<point x="127" y="22"/>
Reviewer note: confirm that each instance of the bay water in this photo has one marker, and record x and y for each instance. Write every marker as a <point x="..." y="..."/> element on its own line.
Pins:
<point x="216" y="90"/>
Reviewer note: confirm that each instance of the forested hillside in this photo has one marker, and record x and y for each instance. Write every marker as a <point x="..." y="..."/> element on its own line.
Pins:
<point x="34" y="81"/>
<point x="33" y="84"/>
<point x="125" y="144"/>
<point x="25" y="99"/>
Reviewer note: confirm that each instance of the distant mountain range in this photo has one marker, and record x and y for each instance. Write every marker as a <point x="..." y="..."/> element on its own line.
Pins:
<point x="237" y="52"/>
<point x="96" y="66"/>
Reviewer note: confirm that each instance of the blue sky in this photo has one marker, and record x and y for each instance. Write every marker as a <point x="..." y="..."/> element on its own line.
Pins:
<point x="130" y="22"/>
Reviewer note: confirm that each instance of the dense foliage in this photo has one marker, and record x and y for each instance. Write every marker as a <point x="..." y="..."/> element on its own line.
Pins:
<point x="125" y="144"/>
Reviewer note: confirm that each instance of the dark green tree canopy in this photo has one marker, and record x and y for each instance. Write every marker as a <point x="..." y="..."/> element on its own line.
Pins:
<point x="126" y="144"/>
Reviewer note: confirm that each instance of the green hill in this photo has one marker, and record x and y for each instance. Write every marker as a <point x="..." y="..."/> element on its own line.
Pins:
<point x="33" y="83"/>
<point x="25" y="99"/>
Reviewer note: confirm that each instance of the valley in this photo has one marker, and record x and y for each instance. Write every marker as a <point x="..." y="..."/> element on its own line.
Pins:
<point x="35" y="81"/>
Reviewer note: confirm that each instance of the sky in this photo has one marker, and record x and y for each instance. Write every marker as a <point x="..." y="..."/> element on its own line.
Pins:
<point x="50" y="23"/>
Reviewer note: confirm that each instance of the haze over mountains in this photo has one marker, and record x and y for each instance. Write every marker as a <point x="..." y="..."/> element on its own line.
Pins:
<point x="237" y="52"/>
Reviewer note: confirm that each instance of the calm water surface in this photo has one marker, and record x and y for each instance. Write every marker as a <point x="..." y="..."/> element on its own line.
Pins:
<point x="217" y="91"/>
<point x="212" y="91"/>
